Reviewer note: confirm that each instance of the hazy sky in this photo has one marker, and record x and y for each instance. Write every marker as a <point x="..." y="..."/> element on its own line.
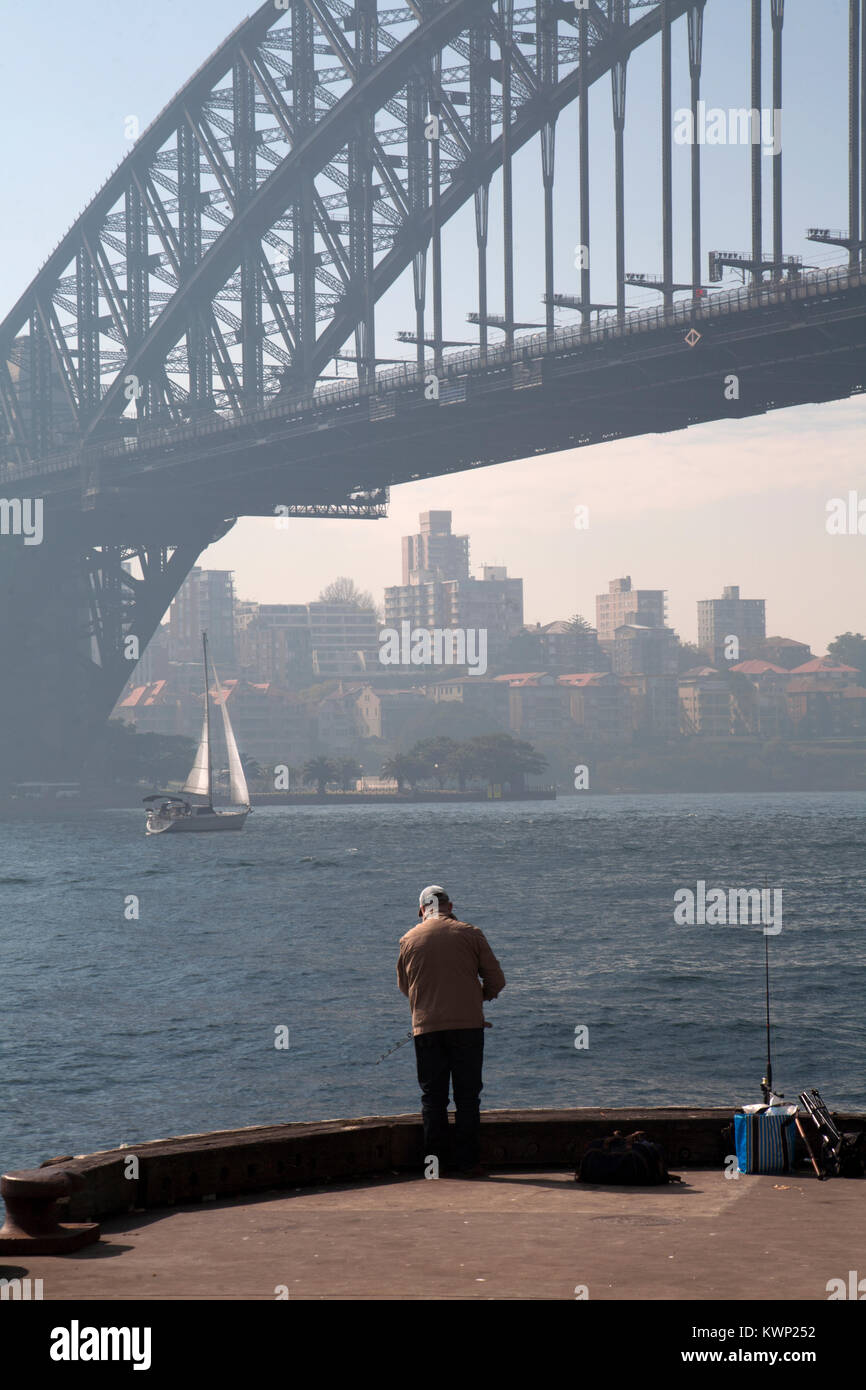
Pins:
<point x="731" y="503"/>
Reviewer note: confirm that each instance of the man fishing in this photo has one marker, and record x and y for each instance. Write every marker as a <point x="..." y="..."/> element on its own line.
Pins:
<point x="447" y="969"/>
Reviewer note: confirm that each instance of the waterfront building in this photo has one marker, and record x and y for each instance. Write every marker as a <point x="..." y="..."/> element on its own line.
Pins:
<point x="705" y="703"/>
<point x="828" y="669"/>
<point x="599" y="705"/>
<point x="385" y="713"/>
<point x="622" y="604"/>
<point x="488" y="698"/>
<point x="153" y="707"/>
<point x="538" y="706"/>
<point x="338" y="722"/>
<point x="205" y="602"/>
<point x="655" y="708"/>
<point x="758" y="698"/>
<point x="783" y="651"/>
<point x="719" y="619"/>
<point x="820" y="707"/>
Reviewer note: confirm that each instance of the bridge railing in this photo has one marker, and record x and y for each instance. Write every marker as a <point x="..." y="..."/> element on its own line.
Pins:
<point x="536" y="346"/>
<point x="464" y="364"/>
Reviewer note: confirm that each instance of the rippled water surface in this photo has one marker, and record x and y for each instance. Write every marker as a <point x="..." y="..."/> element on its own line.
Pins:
<point x="118" y="1030"/>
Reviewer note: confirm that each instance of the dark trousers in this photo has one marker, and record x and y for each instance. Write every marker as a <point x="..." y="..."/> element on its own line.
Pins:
<point x="456" y="1054"/>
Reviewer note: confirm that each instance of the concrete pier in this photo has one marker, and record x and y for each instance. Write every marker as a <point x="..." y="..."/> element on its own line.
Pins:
<point x="518" y="1235"/>
<point x="341" y="1210"/>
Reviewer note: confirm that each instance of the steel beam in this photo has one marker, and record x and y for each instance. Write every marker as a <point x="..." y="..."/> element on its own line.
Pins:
<point x="757" y="153"/>
<point x="506" y="26"/>
<point x="667" y="161"/>
<point x="854" y="128"/>
<point x="618" y="13"/>
<point x="696" y="47"/>
<point x="435" y="107"/>
<point x="777" y="16"/>
<point x="583" y="148"/>
<point x="480" y="129"/>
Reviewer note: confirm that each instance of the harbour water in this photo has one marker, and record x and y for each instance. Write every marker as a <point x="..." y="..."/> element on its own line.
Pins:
<point x="119" y="1027"/>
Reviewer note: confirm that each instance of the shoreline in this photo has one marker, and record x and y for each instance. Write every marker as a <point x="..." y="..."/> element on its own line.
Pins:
<point x="70" y="808"/>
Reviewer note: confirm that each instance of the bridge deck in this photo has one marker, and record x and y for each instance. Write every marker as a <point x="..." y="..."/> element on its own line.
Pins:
<point x="462" y="375"/>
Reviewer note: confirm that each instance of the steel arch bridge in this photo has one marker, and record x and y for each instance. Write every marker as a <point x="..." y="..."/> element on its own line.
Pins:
<point x="163" y="373"/>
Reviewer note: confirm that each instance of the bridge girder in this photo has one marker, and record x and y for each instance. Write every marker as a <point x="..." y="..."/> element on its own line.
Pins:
<point x="255" y="224"/>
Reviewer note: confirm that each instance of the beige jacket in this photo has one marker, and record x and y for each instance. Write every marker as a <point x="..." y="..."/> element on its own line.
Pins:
<point x="438" y="968"/>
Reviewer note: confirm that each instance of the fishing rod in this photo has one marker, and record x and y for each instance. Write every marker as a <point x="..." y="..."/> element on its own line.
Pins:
<point x="767" y="1082"/>
<point x="401" y="1043"/>
<point x="408" y="1038"/>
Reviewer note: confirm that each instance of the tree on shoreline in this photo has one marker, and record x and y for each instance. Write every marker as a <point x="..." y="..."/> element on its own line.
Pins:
<point x="348" y="770"/>
<point x="462" y="763"/>
<point x="403" y="768"/>
<point x="123" y="754"/>
<point x="433" y="754"/>
<point x="849" y="649"/>
<point x="501" y="758"/>
<point x="497" y="758"/>
<point x="318" y="772"/>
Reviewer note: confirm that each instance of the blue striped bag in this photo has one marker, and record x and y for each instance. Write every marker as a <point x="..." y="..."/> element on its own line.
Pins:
<point x="765" y="1139"/>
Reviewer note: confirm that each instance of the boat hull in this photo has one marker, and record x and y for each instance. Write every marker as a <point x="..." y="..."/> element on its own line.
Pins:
<point x="195" y="824"/>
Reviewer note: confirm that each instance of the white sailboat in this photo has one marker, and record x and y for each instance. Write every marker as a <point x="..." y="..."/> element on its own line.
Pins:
<point x="175" y="814"/>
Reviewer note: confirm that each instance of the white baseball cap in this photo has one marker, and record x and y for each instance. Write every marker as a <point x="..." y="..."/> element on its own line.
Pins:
<point x="431" y="894"/>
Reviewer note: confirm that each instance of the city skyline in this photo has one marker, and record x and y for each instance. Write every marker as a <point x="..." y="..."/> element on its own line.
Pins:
<point x="687" y="531"/>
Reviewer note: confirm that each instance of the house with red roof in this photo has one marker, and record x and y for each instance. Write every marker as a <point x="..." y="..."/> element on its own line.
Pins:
<point x="821" y="707"/>
<point x="599" y="706"/>
<point x="826" y="666"/>
<point x="152" y="708"/>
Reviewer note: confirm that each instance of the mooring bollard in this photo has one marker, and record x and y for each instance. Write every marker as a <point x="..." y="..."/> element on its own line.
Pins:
<point x="32" y="1213"/>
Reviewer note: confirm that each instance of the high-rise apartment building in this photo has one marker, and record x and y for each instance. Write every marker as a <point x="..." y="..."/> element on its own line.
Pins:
<point x="639" y="650"/>
<point x="435" y="553"/>
<point x="567" y="650"/>
<point x="622" y="604"/>
<point x="205" y="603"/>
<point x="274" y="643"/>
<point x="344" y="639"/>
<point x="438" y="592"/>
<point x="720" y="619"/>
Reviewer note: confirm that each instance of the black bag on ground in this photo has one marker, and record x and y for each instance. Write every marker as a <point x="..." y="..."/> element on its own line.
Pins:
<point x="633" y="1160"/>
<point x="852" y="1159"/>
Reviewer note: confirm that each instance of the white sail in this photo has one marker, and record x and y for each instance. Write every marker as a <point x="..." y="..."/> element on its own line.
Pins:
<point x="198" y="781"/>
<point x="239" y="791"/>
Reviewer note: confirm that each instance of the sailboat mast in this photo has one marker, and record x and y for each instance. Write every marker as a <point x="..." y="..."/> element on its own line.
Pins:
<point x="207" y="720"/>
